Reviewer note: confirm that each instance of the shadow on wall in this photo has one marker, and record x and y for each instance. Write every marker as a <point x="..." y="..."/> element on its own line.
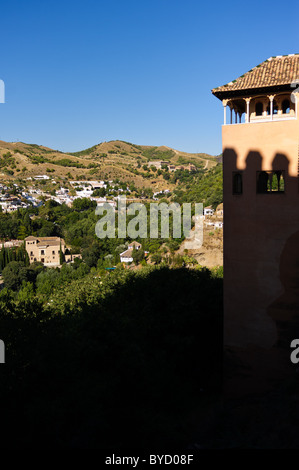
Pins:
<point x="255" y="180"/>
<point x="285" y="309"/>
<point x="270" y="197"/>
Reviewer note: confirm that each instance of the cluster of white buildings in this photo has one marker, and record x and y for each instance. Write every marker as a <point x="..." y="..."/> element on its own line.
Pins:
<point x="92" y="185"/>
<point x="157" y="193"/>
<point x="12" y="204"/>
<point x="213" y="218"/>
<point x="9" y="202"/>
<point x="83" y="189"/>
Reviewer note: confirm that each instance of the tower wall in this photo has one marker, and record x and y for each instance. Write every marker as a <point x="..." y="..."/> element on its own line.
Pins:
<point x="261" y="237"/>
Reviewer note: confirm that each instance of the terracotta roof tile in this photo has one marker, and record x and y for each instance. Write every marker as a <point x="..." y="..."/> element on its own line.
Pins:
<point x="126" y="254"/>
<point x="43" y="241"/>
<point x="134" y="243"/>
<point x="280" y="70"/>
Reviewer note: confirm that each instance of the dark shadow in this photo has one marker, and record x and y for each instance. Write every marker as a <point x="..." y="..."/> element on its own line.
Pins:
<point x="129" y="371"/>
<point x="253" y="163"/>
<point x="262" y="182"/>
<point x="257" y="244"/>
<point x="285" y="309"/>
<point x="280" y="162"/>
<point x="237" y="183"/>
<point x="253" y="168"/>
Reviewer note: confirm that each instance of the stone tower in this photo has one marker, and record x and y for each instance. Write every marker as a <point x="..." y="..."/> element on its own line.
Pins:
<point x="260" y="139"/>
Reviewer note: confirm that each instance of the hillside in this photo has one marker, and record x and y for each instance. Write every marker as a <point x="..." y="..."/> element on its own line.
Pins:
<point x="107" y="160"/>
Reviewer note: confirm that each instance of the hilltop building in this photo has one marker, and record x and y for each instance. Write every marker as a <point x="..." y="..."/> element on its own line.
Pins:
<point x="158" y="164"/>
<point x="260" y="139"/>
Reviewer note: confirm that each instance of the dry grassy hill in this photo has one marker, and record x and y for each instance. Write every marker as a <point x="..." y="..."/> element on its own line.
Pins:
<point x="107" y="160"/>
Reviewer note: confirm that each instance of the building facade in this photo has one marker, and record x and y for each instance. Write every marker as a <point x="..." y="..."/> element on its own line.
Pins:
<point x="45" y="249"/>
<point x="260" y="140"/>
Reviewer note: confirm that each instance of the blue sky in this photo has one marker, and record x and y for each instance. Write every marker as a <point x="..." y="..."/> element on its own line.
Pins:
<point x="81" y="72"/>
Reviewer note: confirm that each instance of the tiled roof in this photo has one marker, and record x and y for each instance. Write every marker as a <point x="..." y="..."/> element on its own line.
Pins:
<point x="42" y="244"/>
<point x="275" y="71"/>
<point x="43" y="241"/>
<point x="49" y="238"/>
<point x="134" y="243"/>
<point x="126" y="254"/>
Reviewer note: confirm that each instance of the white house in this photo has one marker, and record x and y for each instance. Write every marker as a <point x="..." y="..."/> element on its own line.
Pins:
<point x="218" y="224"/>
<point x="42" y="177"/>
<point x="208" y="211"/>
<point x="126" y="256"/>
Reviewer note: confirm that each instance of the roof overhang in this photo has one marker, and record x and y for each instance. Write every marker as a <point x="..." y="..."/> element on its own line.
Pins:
<point x="249" y="92"/>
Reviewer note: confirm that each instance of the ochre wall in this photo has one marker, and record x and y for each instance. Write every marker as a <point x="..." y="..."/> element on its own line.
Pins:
<point x="261" y="237"/>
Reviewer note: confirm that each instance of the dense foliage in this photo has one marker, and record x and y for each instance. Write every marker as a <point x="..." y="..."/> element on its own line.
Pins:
<point x="98" y="355"/>
<point x="117" y="361"/>
<point x="200" y="186"/>
<point x="77" y="226"/>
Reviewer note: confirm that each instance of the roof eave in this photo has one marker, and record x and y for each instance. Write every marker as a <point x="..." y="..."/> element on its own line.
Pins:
<point x="248" y="92"/>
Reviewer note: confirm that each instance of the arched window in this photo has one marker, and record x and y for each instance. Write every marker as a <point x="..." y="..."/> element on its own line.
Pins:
<point x="275" y="181"/>
<point x="278" y="181"/>
<point x="281" y="183"/>
<point x="237" y="183"/>
<point x="285" y="107"/>
<point x="270" y="182"/>
<point x="259" y="109"/>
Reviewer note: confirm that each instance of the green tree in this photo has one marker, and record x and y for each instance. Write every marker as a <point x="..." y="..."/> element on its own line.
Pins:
<point x="22" y="232"/>
<point x="101" y="192"/>
<point x="156" y="258"/>
<point x="61" y="255"/>
<point x="137" y="255"/>
<point x="14" y="274"/>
